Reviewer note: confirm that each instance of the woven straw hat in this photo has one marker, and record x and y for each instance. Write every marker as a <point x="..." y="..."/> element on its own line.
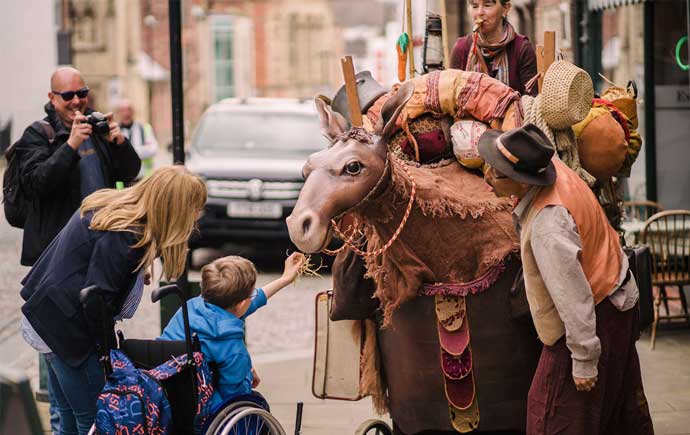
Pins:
<point x="566" y="95"/>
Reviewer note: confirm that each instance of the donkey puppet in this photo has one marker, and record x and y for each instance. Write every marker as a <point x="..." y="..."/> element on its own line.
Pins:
<point x="457" y="349"/>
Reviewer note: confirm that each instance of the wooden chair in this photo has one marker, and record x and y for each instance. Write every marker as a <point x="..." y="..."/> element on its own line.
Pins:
<point x="641" y="210"/>
<point x="668" y="236"/>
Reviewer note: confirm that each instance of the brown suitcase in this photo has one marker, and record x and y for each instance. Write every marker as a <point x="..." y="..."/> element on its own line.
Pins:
<point x="337" y="354"/>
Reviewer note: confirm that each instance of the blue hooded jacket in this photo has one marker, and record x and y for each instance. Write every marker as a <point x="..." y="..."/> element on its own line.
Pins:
<point x="222" y="340"/>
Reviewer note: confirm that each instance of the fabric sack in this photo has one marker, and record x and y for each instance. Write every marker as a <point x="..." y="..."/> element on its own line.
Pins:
<point x="601" y="143"/>
<point x="465" y="135"/>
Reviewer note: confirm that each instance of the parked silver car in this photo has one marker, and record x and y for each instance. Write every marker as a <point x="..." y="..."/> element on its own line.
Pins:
<point x="250" y="152"/>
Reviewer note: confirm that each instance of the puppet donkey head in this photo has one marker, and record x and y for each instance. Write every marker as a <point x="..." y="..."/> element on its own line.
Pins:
<point x="338" y="178"/>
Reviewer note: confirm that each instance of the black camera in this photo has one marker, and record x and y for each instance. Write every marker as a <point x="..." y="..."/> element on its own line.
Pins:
<point x="99" y="123"/>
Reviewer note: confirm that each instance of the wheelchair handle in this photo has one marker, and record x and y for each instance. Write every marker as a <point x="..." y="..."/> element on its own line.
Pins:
<point x="89" y="292"/>
<point x="160" y="293"/>
<point x="85" y="295"/>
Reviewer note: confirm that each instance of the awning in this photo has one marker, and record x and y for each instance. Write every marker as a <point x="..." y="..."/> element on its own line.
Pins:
<point x="595" y="5"/>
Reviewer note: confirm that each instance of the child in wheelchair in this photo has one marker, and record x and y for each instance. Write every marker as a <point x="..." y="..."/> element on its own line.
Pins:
<point x="217" y="317"/>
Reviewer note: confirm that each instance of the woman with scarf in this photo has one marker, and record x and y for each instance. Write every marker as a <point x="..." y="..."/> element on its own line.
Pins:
<point x="495" y="48"/>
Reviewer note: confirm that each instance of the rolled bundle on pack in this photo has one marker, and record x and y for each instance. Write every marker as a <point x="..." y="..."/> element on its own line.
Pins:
<point x="460" y="94"/>
<point x="601" y="143"/>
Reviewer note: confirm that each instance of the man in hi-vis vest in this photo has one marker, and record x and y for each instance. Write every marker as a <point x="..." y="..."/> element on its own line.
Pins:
<point x="581" y="293"/>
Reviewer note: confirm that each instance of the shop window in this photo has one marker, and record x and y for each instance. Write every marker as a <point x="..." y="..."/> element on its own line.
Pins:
<point x="223" y="68"/>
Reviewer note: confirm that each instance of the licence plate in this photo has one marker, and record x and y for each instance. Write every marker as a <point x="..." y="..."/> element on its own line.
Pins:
<point x="265" y="210"/>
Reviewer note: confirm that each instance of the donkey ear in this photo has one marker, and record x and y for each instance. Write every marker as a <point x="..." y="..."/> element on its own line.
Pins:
<point x="393" y="107"/>
<point x="333" y="123"/>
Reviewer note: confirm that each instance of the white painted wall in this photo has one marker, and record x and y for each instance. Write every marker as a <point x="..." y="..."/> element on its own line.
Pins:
<point x="28" y="49"/>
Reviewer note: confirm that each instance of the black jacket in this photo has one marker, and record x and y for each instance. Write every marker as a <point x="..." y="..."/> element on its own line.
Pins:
<point x="49" y="177"/>
<point x="78" y="258"/>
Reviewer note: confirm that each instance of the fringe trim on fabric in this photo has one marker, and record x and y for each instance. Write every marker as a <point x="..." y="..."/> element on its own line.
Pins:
<point x="473" y="287"/>
<point x="440" y="207"/>
<point x="371" y="382"/>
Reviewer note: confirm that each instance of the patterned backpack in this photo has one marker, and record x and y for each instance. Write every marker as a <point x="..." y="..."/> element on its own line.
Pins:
<point x="204" y="385"/>
<point x="132" y="401"/>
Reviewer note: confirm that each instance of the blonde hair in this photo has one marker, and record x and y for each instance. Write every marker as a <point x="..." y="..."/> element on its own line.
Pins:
<point x="228" y="281"/>
<point x="161" y="209"/>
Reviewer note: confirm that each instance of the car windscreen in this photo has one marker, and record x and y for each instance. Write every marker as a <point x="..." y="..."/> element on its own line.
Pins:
<point x="258" y="133"/>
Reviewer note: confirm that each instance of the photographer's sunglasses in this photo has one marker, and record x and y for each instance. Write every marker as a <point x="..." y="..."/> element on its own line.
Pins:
<point x="68" y="95"/>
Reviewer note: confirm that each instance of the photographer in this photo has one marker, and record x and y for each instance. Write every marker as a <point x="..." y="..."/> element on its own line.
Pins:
<point x="66" y="156"/>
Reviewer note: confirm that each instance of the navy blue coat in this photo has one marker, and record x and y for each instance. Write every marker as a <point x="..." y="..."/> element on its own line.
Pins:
<point x="77" y="258"/>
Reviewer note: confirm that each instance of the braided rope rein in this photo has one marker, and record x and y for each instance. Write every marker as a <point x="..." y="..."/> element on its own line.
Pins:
<point x="347" y="241"/>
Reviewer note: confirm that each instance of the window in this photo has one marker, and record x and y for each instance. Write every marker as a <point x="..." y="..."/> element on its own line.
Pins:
<point x="223" y="61"/>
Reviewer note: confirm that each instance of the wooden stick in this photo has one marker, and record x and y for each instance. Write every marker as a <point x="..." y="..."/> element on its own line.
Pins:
<point x="444" y="35"/>
<point x="546" y="55"/>
<point x="540" y="65"/>
<point x="549" y="49"/>
<point x="410" y="47"/>
<point x="351" y="89"/>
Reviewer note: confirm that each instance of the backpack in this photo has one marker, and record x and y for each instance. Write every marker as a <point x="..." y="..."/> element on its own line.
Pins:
<point x="132" y="401"/>
<point x="15" y="203"/>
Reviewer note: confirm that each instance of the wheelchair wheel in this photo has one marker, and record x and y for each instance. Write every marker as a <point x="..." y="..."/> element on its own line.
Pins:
<point x="249" y="420"/>
<point x="374" y="427"/>
<point x="223" y="414"/>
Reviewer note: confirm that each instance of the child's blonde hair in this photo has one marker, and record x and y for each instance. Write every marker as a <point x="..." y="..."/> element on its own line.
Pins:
<point x="228" y="281"/>
<point x="162" y="209"/>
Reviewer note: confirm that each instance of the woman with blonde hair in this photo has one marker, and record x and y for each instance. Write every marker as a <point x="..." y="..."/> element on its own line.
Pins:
<point x="495" y="48"/>
<point x="111" y="242"/>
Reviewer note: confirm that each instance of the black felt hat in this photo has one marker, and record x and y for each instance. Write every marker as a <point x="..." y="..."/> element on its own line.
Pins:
<point x="523" y="154"/>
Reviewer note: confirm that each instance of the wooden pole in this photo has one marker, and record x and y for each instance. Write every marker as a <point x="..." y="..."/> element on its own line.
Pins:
<point x="444" y="35"/>
<point x="549" y="49"/>
<point x="351" y="89"/>
<point x="546" y="55"/>
<point x="540" y="65"/>
<point x="410" y="46"/>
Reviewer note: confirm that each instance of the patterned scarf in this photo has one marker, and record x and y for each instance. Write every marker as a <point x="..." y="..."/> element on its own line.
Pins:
<point x="481" y="49"/>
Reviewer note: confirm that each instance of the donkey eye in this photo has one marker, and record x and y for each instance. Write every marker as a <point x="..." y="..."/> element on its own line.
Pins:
<point x="353" y="168"/>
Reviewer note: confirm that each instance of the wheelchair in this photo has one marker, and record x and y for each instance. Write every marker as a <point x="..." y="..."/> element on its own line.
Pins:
<point x="246" y="415"/>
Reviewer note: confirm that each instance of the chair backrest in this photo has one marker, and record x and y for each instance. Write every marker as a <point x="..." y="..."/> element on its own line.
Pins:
<point x="641" y="210"/>
<point x="667" y="234"/>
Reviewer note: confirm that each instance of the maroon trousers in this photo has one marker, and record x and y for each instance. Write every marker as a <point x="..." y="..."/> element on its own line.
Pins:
<point x="616" y="405"/>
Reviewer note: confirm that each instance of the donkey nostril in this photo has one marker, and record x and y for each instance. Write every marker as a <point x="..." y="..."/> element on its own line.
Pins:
<point x="306" y="225"/>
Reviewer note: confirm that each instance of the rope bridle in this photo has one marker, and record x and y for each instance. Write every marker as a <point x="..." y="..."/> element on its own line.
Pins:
<point x="356" y="229"/>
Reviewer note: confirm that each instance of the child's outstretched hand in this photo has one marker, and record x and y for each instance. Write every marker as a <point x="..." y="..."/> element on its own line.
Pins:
<point x="292" y="265"/>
